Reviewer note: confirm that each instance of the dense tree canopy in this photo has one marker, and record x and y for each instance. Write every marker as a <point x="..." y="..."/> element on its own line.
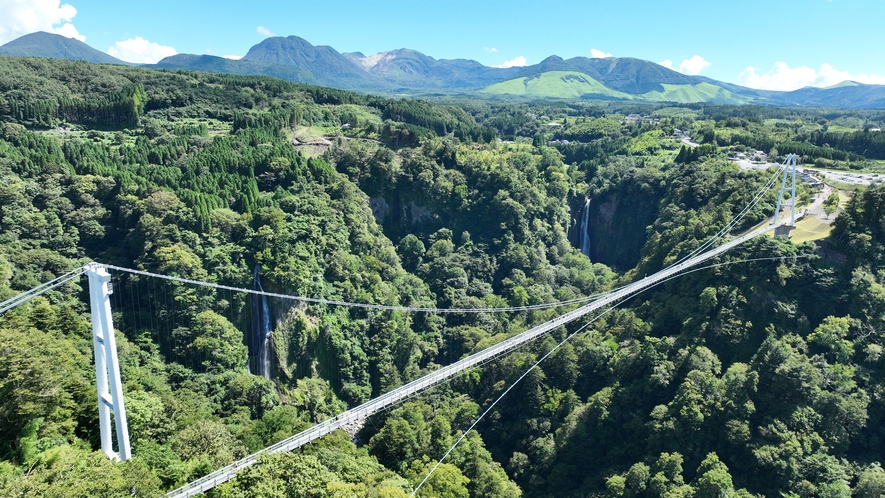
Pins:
<point x="761" y="377"/>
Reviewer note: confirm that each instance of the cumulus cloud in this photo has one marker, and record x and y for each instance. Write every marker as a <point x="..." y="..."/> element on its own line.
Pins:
<point x="783" y="77"/>
<point x="140" y="51"/>
<point x="232" y="57"/>
<point x="517" y="62"/>
<point x="694" y="65"/>
<point x="21" y="17"/>
<point x="598" y="54"/>
<point x="490" y="50"/>
<point x="68" y="30"/>
<point x="264" y="31"/>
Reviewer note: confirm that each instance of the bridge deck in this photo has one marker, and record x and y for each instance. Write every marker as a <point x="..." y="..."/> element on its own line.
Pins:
<point x="360" y="412"/>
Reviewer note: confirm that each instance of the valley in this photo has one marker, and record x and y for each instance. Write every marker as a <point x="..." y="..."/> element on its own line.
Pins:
<point x="447" y="226"/>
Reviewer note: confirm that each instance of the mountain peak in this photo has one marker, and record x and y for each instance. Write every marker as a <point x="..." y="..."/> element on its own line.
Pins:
<point x="552" y="60"/>
<point x="843" y="84"/>
<point x="53" y="46"/>
<point x="367" y="63"/>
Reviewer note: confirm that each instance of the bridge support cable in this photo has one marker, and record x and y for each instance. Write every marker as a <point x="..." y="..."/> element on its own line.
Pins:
<point x="107" y="367"/>
<point x="40" y="289"/>
<point x="331" y="302"/>
<point x="757" y="197"/>
<point x="789" y="169"/>
<point x="501" y="396"/>
<point x="361" y="412"/>
<point x="553" y="350"/>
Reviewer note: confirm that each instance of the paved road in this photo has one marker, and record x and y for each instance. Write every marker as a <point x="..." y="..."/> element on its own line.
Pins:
<point x="816" y="209"/>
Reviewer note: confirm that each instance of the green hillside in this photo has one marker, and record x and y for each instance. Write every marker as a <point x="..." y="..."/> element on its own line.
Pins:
<point x="571" y="84"/>
<point x="842" y="85"/>
<point x="702" y="92"/>
<point x="555" y="84"/>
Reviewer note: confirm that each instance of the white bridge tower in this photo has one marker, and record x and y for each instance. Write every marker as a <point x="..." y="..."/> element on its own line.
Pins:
<point x="107" y="368"/>
<point x="789" y="170"/>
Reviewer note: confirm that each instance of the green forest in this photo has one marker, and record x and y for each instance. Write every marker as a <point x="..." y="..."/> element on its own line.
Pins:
<point x="761" y="376"/>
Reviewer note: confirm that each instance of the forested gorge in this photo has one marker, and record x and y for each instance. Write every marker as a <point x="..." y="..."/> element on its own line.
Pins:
<point x="758" y="378"/>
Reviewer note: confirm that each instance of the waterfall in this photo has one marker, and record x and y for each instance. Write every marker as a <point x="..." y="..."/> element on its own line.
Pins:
<point x="584" y="233"/>
<point x="261" y="338"/>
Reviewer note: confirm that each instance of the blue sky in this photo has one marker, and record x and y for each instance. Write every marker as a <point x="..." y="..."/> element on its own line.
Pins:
<point x="778" y="44"/>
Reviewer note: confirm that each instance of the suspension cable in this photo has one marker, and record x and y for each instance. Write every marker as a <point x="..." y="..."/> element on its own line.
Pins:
<point x="734" y="221"/>
<point x="332" y="302"/>
<point x="569" y="337"/>
<point x="40" y="289"/>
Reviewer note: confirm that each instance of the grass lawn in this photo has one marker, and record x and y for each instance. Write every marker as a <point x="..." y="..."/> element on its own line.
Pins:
<point x="845" y="188"/>
<point x="841" y="129"/>
<point x="557" y="84"/>
<point x="810" y="229"/>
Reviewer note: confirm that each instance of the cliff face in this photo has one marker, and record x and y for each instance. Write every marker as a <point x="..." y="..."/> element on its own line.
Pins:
<point x="618" y="223"/>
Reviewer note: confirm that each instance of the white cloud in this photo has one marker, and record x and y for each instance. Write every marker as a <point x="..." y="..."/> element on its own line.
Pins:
<point x="490" y="50"/>
<point x="232" y="57"/>
<point x="140" y="51"/>
<point x="694" y="65"/>
<point x="68" y="30"/>
<point x="264" y="31"/>
<point x="598" y="54"/>
<point x="783" y="77"/>
<point x="691" y="66"/>
<point x="517" y="62"/>
<point x="22" y="17"/>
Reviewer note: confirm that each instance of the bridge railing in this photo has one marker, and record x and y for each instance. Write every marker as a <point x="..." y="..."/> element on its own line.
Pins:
<point x="385" y="400"/>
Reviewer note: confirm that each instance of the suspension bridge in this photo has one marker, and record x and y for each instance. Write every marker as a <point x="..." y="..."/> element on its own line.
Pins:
<point x="109" y="385"/>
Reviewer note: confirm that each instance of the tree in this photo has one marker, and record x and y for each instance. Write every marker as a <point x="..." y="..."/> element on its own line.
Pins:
<point x="445" y="482"/>
<point x="411" y="250"/>
<point x="42" y="375"/>
<point x="871" y="482"/>
<point x="216" y="344"/>
<point x="67" y="472"/>
<point x="208" y="441"/>
<point x="831" y="204"/>
<point x="831" y="335"/>
<point x="713" y="479"/>
<point x="284" y="475"/>
<point x="315" y="397"/>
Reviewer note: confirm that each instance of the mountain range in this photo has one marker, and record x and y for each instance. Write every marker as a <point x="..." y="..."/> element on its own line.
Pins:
<point x="409" y="72"/>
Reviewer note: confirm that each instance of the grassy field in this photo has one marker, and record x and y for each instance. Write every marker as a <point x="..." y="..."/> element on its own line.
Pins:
<point x="702" y="92"/>
<point x="555" y="84"/>
<point x="676" y="112"/>
<point x="571" y="84"/>
<point x="847" y="187"/>
<point x="841" y="129"/>
<point x="806" y="230"/>
<point x="810" y="229"/>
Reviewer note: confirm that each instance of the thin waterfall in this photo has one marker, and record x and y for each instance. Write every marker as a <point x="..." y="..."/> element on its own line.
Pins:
<point x="261" y="338"/>
<point x="584" y="234"/>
